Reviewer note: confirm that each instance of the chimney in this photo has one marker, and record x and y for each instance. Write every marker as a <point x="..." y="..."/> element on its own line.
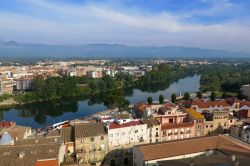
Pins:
<point x="21" y="155"/>
<point x="233" y="157"/>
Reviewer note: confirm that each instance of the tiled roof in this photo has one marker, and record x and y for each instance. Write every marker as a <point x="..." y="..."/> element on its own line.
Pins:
<point x="67" y="134"/>
<point x="6" y="124"/>
<point x="122" y="116"/>
<point x="9" y="155"/>
<point x="142" y="106"/>
<point x="193" y="145"/>
<point x="176" y="125"/>
<point x="89" y="130"/>
<point x="150" y="122"/>
<point x="194" y="114"/>
<point x="207" y="104"/>
<point x="245" y="102"/>
<point x="115" y="125"/>
<point x="52" y="162"/>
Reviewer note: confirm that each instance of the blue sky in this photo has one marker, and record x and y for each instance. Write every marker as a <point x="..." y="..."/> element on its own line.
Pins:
<point x="217" y="24"/>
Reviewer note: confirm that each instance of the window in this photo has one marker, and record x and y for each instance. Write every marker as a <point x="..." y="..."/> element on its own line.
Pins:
<point x="136" y="131"/>
<point x="157" y="128"/>
<point x="82" y="140"/>
<point x="92" y="139"/>
<point x="169" y="138"/>
<point x="206" y="126"/>
<point x="171" y="120"/>
<point x="211" y="125"/>
<point x="164" y="132"/>
<point x="150" y="141"/>
<point x="110" y="135"/>
<point x="102" y="138"/>
<point x="117" y="134"/>
<point x="175" y="137"/>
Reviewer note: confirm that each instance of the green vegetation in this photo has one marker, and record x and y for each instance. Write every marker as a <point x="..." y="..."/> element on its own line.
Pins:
<point x="199" y="95"/>
<point x="224" y="77"/>
<point x="173" y="98"/>
<point x="186" y="96"/>
<point x="149" y="100"/>
<point x="161" y="99"/>
<point x="213" y="96"/>
<point x="5" y="96"/>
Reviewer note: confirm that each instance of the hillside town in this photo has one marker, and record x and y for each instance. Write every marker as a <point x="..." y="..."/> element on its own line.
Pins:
<point x="153" y="134"/>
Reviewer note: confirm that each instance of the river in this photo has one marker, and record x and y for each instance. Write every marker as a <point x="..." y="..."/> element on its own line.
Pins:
<point x="42" y="114"/>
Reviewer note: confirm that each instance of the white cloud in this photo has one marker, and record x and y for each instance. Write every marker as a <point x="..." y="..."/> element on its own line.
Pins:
<point x="99" y="23"/>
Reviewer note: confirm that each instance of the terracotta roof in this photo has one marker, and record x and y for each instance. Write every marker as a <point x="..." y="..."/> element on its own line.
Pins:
<point x="245" y="102"/>
<point x="193" y="145"/>
<point x="207" y="104"/>
<point x="194" y="114"/>
<point x="89" y="130"/>
<point x="169" y="105"/>
<point x="51" y="162"/>
<point x="150" y="122"/>
<point x="176" y="125"/>
<point x="115" y="125"/>
<point x="142" y="106"/>
<point x="6" y="124"/>
<point x="122" y="116"/>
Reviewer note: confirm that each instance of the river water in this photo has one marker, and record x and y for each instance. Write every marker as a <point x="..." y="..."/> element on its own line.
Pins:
<point x="38" y="115"/>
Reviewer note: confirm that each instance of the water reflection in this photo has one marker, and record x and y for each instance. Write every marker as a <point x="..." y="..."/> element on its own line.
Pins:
<point x="41" y="114"/>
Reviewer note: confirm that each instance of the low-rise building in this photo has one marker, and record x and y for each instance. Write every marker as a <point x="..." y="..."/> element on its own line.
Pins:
<point x="198" y="119"/>
<point x="154" y="130"/>
<point x="143" y="110"/>
<point x="91" y="142"/>
<point x="217" y="121"/>
<point x="245" y="89"/>
<point x="241" y="131"/>
<point x="200" y="105"/>
<point x="167" y="153"/>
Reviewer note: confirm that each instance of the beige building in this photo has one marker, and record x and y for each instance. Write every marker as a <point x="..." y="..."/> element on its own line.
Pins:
<point x="217" y="121"/>
<point x="194" y="151"/>
<point x="198" y="119"/>
<point x="154" y="130"/>
<point x="245" y="89"/>
<point x="91" y="143"/>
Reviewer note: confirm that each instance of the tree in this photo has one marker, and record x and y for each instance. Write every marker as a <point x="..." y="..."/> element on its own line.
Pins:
<point x="224" y="95"/>
<point x="213" y="96"/>
<point x="186" y="96"/>
<point x="173" y="98"/>
<point x="161" y="99"/>
<point x="149" y="100"/>
<point x="199" y="95"/>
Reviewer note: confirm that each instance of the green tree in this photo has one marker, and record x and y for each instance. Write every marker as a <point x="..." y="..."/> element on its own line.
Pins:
<point x="173" y="98"/>
<point x="213" y="96"/>
<point x="224" y="95"/>
<point x="161" y="99"/>
<point x="186" y="96"/>
<point x="199" y="95"/>
<point x="149" y="100"/>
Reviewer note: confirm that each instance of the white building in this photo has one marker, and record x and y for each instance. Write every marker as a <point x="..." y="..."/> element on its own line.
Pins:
<point x="122" y="134"/>
<point x="245" y="89"/>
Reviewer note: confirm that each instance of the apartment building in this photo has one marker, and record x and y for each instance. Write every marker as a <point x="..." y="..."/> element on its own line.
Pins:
<point x="198" y="120"/>
<point x="23" y="83"/>
<point x="154" y="130"/>
<point x="217" y="121"/>
<point x="200" y="105"/>
<point x="91" y="142"/>
<point x="241" y="131"/>
<point x="245" y="89"/>
<point x="143" y="110"/>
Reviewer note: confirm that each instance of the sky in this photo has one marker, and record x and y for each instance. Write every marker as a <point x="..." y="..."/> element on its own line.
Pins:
<point x="215" y="24"/>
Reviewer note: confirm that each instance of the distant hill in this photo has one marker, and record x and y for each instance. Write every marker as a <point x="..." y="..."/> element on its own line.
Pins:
<point x="13" y="49"/>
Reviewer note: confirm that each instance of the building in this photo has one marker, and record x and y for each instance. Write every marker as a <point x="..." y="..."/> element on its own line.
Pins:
<point x="241" y="131"/>
<point x="91" y="142"/>
<point x="193" y="149"/>
<point x="67" y="135"/>
<point x="217" y="121"/>
<point x="33" y="151"/>
<point x="17" y="132"/>
<point x="174" y="123"/>
<point x="143" y="110"/>
<point x="23" y="83"/>
<point x="154" y="130"/>
<point x="245" y="89"/>
<point x="198" y="119"/>
<point x="122" y="137"/>
<point x="200" y="105"/>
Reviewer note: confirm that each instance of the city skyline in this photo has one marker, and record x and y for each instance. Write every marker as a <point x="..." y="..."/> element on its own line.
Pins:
<point x="211" y="24"/>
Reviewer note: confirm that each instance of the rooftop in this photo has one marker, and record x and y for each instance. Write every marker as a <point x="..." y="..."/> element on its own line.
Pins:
<point x="150" y="122"/>
<point x="90" y="130"/>
<point x="194" y="114"/>
<point x="192" y="145"/>
<point x="176" y="125"/>
<point x="115" y="125"/>
<point x="207" y="104"/>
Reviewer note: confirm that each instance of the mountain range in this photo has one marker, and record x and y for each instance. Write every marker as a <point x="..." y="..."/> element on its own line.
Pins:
<point x="13" y="49"/>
